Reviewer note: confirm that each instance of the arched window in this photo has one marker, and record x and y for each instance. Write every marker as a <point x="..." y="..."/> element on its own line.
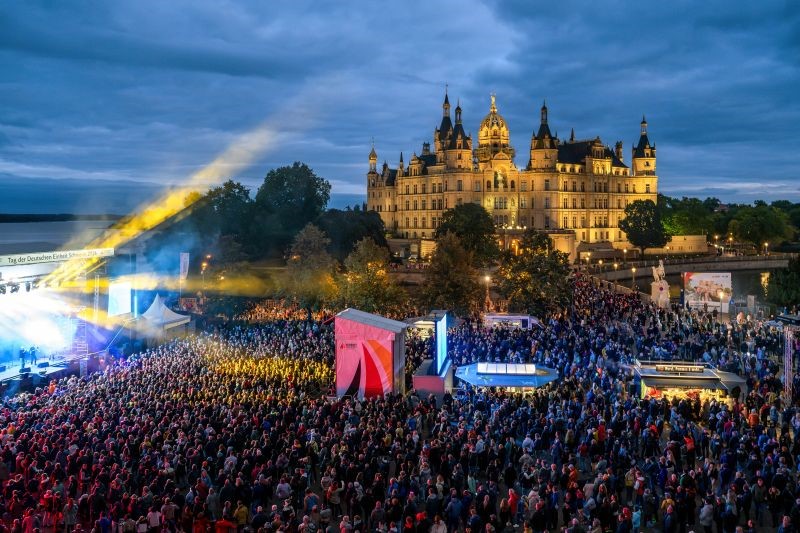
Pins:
<point x="488" y="185"/>
<point x="513" y="185"/>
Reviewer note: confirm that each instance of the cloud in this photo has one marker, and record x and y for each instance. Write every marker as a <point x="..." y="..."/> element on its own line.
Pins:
<point x="150" y="91"/>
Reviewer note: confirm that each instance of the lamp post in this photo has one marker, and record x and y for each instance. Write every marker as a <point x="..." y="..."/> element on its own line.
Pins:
<point x="633" y="273"/>
<point x="624" y="255"/>
<point x="203" y="267"/>
<point x="488" y="302"/>
<point x="616" y="265"/>
<point x="766" y="248"/>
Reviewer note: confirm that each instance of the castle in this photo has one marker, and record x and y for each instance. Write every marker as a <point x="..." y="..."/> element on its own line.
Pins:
<point x="574" y="190"/>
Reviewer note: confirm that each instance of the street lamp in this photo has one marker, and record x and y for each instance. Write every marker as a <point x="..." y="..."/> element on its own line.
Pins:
<point x="633" y="283"/>
<point x="766" y="248"/>
<point x="616" y="265"/>
<point x="203" y="267"/>
<point x="488" y="302"/>
<point x="624" y="255"/>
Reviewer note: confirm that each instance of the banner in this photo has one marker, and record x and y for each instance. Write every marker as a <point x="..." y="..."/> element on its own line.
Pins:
<point x="184" y="266"/>
<point x="707" y="291"/>
<point x="53" y="257"/>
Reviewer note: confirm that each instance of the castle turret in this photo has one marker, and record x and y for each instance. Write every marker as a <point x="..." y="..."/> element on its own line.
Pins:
<point x="544" y="146"/>
<point x="644" y="154"/>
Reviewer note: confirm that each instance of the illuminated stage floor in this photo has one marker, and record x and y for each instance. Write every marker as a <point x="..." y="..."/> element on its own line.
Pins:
<point x="470" y="374"/>
<point x="12" y="371"/>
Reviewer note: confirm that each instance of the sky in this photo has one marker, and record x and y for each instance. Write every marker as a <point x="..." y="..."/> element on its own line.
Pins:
<point x="105" y="103"/>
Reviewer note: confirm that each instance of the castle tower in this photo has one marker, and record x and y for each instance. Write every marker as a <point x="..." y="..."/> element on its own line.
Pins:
<point x="493" y="137"/>
<point x="644" y="154"/>
<point x="544" y="146"/>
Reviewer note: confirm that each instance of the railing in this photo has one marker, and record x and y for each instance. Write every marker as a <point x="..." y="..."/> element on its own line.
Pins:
<point x="671" y="260"/>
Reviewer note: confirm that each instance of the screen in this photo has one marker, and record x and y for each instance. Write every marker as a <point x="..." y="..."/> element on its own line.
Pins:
<point x="441" y="344"/>
<point x="119" y="298"/>
<point x="707" y="290"/>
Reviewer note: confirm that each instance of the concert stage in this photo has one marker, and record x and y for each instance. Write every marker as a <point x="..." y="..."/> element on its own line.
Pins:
<point x="507" y="376"/>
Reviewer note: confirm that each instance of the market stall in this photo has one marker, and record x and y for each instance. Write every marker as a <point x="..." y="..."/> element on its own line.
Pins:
<point x="687" y="381"/>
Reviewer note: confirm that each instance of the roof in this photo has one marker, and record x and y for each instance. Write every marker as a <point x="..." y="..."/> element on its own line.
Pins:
<point x="445" y="128"/>
<point x="458" y="131"/>
<point x="158" y="314"/>
<point x="644" y="142"/>
<point x="372" y="320"/>
<point x="576" y="153"/>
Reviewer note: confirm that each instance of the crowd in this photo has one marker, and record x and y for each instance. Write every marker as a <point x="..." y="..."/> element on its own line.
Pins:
<point x="231" y="430"/>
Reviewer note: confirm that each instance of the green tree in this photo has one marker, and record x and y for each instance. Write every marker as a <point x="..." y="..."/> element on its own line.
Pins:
<point x="760" y="224"/>
<point x="310" y="270"/>
<point x="289" y="198"/>
<point x="451" y="280"/>
<point x="783" y="288"/>
<point x="643" y="227"/>
<point x="536" y="281"/>
<point x="473" y="225"/>
<point x="346" y="228"/>
<point x="686" y="216"/>
<point x="366" y="284"/>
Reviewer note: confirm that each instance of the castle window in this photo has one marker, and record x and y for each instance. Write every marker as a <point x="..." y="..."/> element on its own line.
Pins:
<point x="513" y="185"/>
<point x="488" y="185"/>
<point x="415" y="188"/>
<point x="407" y="205"/>
<point x="476" y="186"/>
<point x="546" y="221"/>
<point x="523" y="202"/>
<point x="407" y="189"/>
<point x="416" y="205"/>
<point x="583" y="222"/>
<point x="619" y="203"/>
<point x="459" y="186"/>
<point x="626" y="187"/>
<point x="564" y="203"/>
<point x="564" y="186"/>
<point x="647" y="187"/>
<point x="574" y="186"/>
<point x="415" y="225"/>
<point x="583" y="203"/>
<point x="547" y="202"/>
<point x="523" y="186"/>
<point x="445" y="186"/>
<point x="407" y="223"/>
<point x="566" y="225"/>
<point x="424" y="204"/>
<point x="424" y="188"/>
<point x="634" y="187"/>
<point x="574" y="220"/>
<point x="547" y="185"/>
<point x="574" y="203"/>
<point x="619" y="187"/>
<point x="583" y="187"/>
<point x="423" y="224"/>
<point x="459" y="147"/>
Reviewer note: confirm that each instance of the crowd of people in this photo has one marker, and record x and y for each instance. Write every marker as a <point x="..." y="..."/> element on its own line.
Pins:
<point x="232" y="430"/>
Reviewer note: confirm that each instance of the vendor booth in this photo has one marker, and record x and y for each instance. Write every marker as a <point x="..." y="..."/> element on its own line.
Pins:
<point x="370" y="355"/>
<point x="512" y="377"/>
<point x="687" y="380"/>
<point x="510" y="321"/>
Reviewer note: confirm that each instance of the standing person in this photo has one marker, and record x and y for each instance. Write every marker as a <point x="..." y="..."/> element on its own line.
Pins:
<point x="154" y="520"/>
<point x="70" y="512"/>
<point x="707" y="515"/>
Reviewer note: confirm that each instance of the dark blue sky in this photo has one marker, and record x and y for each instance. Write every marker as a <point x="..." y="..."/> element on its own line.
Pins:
<point x="120" y="98"/>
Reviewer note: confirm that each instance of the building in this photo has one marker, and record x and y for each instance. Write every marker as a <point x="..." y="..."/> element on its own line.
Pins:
<point x="575" y="190"/>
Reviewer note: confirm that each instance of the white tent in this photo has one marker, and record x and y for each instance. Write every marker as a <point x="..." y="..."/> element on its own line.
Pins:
<point x="161" y="321"/>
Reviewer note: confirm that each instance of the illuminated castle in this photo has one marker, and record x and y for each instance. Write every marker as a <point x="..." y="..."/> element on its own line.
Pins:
<point x="575" y="190"/>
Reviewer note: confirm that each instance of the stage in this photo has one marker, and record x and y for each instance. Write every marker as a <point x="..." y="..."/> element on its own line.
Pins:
<point x="509" y="376"/>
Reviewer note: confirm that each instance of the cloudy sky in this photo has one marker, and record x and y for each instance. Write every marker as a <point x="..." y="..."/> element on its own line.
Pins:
<point x="105" y="103"/>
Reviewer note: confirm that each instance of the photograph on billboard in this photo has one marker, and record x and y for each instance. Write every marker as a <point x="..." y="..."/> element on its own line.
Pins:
<point x="707" y="291"/>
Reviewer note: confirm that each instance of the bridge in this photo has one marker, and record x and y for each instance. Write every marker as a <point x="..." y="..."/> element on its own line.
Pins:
<point x="623" y="271"/>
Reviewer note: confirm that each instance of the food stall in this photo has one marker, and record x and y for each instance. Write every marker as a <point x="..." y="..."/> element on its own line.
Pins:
<point x="687" y="380"/>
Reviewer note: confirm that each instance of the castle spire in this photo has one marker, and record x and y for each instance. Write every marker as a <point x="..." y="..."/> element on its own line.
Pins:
<point x="544" y="112"/>
<point x="446" y="104"/>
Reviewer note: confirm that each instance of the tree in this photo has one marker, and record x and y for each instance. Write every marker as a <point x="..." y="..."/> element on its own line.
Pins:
<point x="760" y="224"/>
<point x="687" y="216"/>
<point x="288" y="199"/>
<point x="346" y="228"/>
<point x="537" y="280"/>
<point x="643" y="227"/>
<point x="451" y="279"/>
<point x="310" y="269"/>
<point x="473" y="225"/>
<point x="366" y="284"/>
<point x="783" y="288"/>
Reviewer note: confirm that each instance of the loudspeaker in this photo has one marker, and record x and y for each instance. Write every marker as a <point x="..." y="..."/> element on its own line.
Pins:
<point x="44" y="364"/>
<point x="25" y="370"/>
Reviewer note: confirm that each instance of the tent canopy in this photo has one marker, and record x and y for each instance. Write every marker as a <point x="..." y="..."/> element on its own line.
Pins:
<point x="161" y="316"/>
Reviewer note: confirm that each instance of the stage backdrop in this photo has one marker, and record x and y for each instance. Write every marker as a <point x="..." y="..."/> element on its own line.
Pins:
<point x="370" y="354"/>
<point x="707" y="290"/>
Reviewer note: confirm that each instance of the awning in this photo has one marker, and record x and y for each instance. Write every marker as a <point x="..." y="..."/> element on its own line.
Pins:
<point x="678" y="383"/>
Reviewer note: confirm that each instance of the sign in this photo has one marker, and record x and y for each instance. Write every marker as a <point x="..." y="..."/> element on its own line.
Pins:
<point x="708" y="290"/>
<point x="184" y="266"/>
<point x="53" y="257"/>
<point x="680" y="368"/>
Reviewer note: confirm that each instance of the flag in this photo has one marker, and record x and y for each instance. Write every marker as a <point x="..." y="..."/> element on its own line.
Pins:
<point x="184" y="265"/>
